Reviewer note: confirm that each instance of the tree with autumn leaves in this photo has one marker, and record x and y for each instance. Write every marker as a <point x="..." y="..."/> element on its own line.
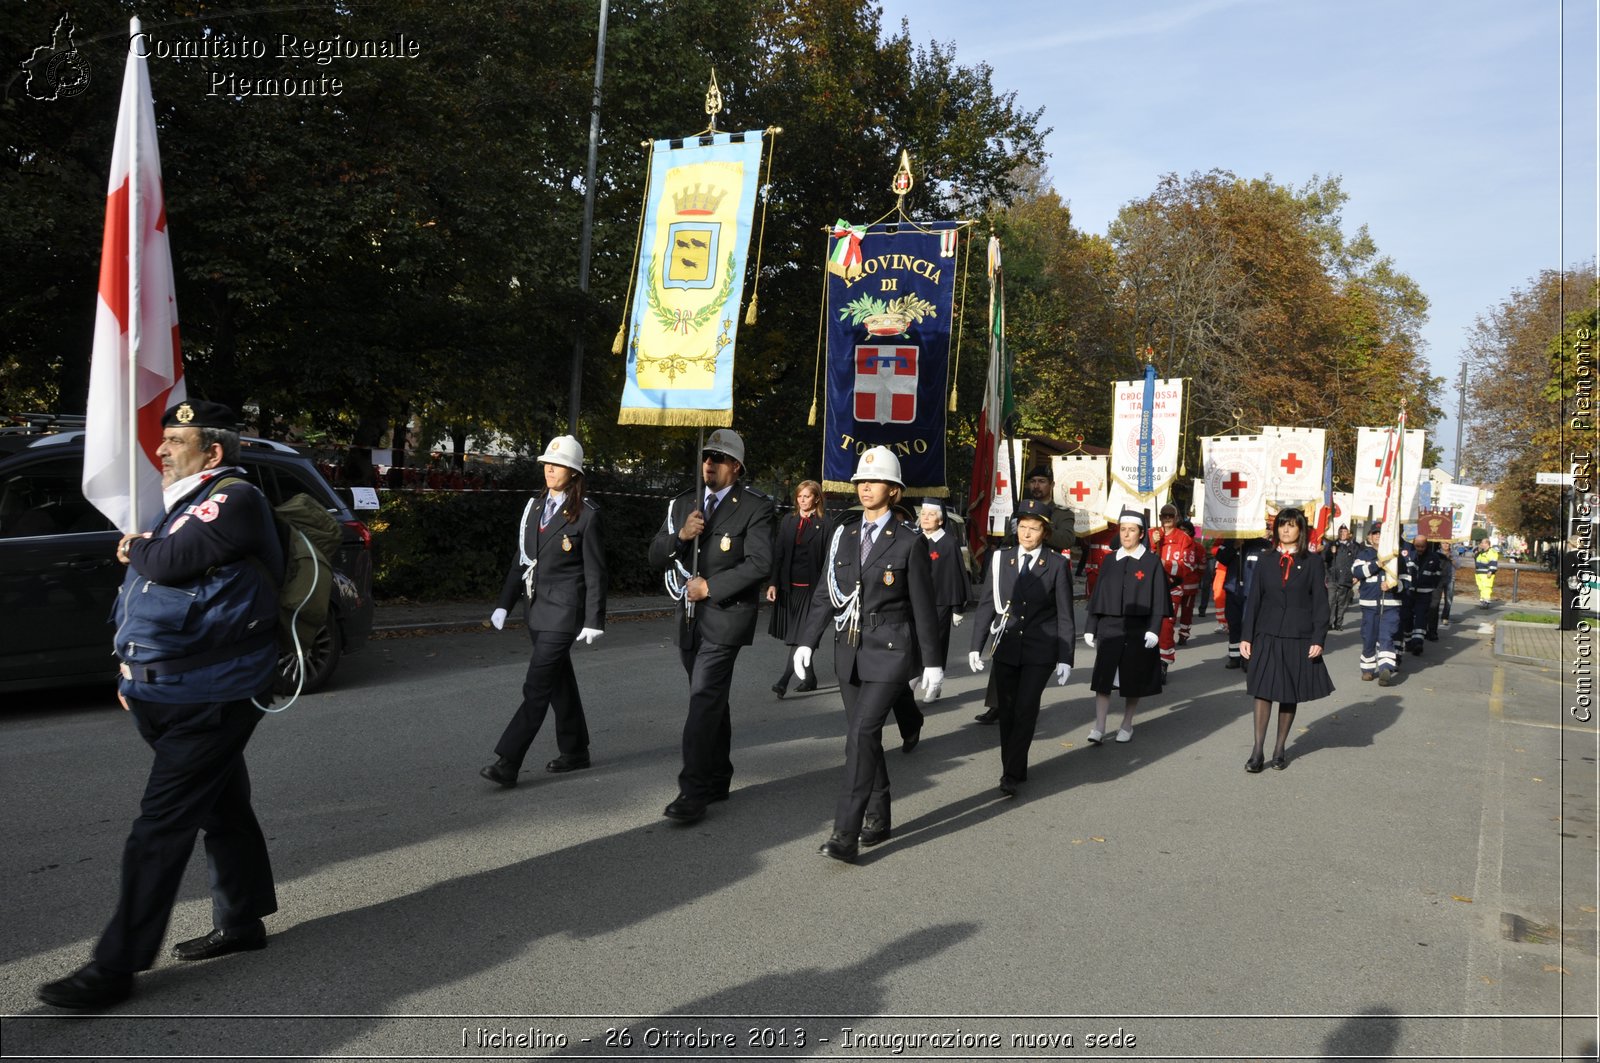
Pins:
<point x="1522" y="368"/>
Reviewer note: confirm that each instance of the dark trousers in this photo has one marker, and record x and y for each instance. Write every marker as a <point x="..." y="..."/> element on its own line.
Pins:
<point x="198" y="782"/>
<point x="1340" y="595"/>
<point x="1428" y="613"/>
<point x="550" y="683"/>
<point x="907" y="713"/>
<point x="1018" y="689"/>
<point x="866" y="776"/>
<point x="1378" y="634"/>
<point x="708" y="730"/>
<point x="1233" y="613"/>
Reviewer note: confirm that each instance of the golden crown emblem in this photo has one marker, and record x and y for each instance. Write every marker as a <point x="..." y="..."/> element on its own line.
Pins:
<point x="185" y="414"/>
<point x="695" y="201"/>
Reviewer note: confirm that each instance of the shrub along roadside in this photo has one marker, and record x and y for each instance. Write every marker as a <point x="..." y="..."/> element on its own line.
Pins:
<point x="436" y="545"/>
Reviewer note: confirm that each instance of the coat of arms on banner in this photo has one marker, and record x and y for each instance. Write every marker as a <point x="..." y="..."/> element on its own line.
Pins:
<point x="886" y="384"/>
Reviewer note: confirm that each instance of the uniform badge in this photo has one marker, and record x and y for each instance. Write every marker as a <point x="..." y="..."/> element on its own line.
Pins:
<point x="566" y="544"/>
<point x="207" y="511"/>
<point x="888" y="577"/>
<point x="726" y="544"/>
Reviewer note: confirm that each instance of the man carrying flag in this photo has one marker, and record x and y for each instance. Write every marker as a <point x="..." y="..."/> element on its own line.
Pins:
<point x="991" y="465"/>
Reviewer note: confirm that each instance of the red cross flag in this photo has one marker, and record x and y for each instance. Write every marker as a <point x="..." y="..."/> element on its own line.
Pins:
<point x="1295" y="462"/>
<point x="1081" y="487"/>
<point x="1237" y="474"/>
<point x="136" y="369"/>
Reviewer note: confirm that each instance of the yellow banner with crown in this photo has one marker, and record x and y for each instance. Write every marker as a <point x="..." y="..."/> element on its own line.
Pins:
<point x="689" y="280"/>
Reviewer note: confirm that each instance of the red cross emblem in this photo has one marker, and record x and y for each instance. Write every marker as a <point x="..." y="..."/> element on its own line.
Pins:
<point x="1291" y="463"/>
<point x="1233" y="484"/>
<point x="1138" y="575"/>
<point x="933" y="555"/>
<point x="1079" y="491"/>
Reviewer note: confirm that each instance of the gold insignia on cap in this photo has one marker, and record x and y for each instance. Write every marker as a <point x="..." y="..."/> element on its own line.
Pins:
<point x="868" y="457"/>
<point x="185" y="413"/>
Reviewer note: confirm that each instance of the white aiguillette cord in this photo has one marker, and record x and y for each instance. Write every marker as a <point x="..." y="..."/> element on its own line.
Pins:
<point x="677" y="577"/>
<point x="996" y="629"/>
<point x="846" y="608"/>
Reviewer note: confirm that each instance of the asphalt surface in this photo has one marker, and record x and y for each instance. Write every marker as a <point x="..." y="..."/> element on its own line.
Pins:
<point x="1419" y="883"/>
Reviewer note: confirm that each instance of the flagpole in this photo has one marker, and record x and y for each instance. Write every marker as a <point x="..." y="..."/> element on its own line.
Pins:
<point x="135" y="318"/>
<point x="586" y="237"/>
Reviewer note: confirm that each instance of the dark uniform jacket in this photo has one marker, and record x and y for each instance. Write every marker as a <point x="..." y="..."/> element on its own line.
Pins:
<point x="1371" y="576"/>
<point x="950" y="587"/>
<point x="897" y="606"/>
<point x="1339" y="557"/>
<point x="735" y="559"/>
<point x="1291" y="601"/>
<point x="569" y="571"/>
<point x="797" y="553"/>
<point x="197" y="614"/>
<point x="1039" y="627"/>
<point x="1427" y="569"/>
<point x="1132" y="589"/>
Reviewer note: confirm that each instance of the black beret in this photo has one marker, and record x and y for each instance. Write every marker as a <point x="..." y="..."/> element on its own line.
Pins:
<point x="198" y="413"/>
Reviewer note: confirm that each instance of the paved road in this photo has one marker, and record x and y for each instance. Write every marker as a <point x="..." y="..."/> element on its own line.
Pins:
<point x="1365" y="902"/>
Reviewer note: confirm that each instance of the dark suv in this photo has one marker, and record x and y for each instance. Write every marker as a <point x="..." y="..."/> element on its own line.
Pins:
<point x="59" y="575"/>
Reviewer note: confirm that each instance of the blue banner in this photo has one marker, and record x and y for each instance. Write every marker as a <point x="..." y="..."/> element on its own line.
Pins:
<point x="1147" y="413"/>
<point x="690" y="280"/>
<point x="891" y="298"/>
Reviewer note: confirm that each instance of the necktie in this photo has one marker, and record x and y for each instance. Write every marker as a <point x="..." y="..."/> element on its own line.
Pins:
<point x="1022" y="569"/>
<point x="710" y="507"/>
<point x="867" y="531"/>
<point x="549" y="511"/>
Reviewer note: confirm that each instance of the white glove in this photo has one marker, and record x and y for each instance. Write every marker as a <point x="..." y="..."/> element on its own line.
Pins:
<point x="802" y="661"/>
<point x="955" y="619"/>
<point x="1150" y="640"/>
<point x="1088" y="639"/>
<point x="589" y="634"/>
<point x="932" y="680"/>
<point x="1063" y="673"/>
<point x="975" y="661"/>
<point x="498" y="619"/>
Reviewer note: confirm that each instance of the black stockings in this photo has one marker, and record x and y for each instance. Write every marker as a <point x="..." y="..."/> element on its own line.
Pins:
<point x="1286" y="710"/>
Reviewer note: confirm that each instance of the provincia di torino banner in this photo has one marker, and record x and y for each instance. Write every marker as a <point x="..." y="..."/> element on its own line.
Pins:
<point x="890" y="301"/>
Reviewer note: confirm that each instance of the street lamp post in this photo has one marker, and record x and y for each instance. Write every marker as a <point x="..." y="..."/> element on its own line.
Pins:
<point x="586" y="240"/>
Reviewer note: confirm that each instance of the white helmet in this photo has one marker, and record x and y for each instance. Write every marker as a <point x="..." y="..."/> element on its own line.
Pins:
<point x="725" y="441"/>
<point x="878" y="463"/>
<point x="564" y="450"/>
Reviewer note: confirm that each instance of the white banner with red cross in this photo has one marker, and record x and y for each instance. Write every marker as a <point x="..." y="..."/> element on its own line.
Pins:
<point x="1294" y="466"/>
<point x="1081" y="487"/>
<point x="1371" y="487"/>
<point x="1236" y="477"/>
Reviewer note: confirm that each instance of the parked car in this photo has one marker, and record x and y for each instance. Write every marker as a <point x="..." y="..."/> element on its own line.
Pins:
<point x="59" y="575"/>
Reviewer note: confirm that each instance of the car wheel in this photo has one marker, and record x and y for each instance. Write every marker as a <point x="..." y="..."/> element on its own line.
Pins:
<point x="322" y="657"/>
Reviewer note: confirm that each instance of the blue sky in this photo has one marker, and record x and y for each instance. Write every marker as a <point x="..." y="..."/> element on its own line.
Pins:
<point x="1443" y="120"/>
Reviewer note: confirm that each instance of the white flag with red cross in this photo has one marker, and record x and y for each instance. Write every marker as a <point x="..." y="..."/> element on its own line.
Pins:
<point x="1081" y="487"/>
<point x="1236" y="478"/>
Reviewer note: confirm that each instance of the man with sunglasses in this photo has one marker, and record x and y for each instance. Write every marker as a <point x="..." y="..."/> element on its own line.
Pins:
<point x="716" y="546"/>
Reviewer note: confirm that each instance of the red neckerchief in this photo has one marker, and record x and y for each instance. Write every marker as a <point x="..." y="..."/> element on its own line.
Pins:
<point x="1286" y="560"/>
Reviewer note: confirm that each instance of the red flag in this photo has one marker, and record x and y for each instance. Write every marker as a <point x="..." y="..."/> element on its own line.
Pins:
<point x="136" y="369"/>
<point x="989" y="460"/>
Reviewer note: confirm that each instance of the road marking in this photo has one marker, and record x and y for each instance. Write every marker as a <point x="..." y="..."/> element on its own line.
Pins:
<point x="1484" y="959"/>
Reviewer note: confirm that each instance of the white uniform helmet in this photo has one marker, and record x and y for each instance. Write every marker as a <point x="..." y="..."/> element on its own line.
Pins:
<point x="878" y="463"/>
<point x="564" y="450"/>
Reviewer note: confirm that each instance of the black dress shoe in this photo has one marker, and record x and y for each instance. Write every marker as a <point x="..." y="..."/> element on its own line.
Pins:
<point x="222" y="942"/>
<point x="568" y="762"/>
<point x="807" y="685"/>
<point x="1253" y="765"/>
<point x="874" y="829"/>
<point x="910" y="741"/>
<point x="1008" y="786"/>
<point x="89" y="987"/>
<point x="502" y="771"/>
<point x="780" y="689"/>
<point x="685" y="810"/>
<point x="841" y="847"/>
<point x="987" y="716"/>
<point x="1278" y="763"/>
<point x="1233" y="662"/>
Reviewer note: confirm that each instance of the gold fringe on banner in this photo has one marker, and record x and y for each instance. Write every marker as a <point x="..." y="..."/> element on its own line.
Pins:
<point x="676" y="418"/>
<point x="619" y="344"/>
<point x="766" y="197"/>
<point x="822" y="333"/>
<point x="961" y="307"/>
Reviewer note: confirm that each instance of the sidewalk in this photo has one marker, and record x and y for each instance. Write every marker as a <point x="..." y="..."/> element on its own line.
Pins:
<point x="394" y="617"/>
<point x="1518" y="640"/>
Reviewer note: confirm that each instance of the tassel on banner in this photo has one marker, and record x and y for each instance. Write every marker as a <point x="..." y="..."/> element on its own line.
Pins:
<point x="750" y="314"/>
<point x="811" y="418"/>
<point x="952" y="399"/>
<point x="622" y="332"/>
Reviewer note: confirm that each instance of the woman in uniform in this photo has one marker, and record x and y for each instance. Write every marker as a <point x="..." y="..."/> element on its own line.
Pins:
<point x="560" y="568"/>
<point x="1129" y="602"/>
<point x="797" y="560"/>
<point x="1285" y="625"/>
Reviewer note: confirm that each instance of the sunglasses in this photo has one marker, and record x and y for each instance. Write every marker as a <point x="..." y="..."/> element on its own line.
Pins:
<point x="715" y="457"/>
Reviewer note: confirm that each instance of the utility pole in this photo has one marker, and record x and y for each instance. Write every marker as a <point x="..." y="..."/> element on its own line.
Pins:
<point x="586" y="241"/>
<point x="1461" y="418"/>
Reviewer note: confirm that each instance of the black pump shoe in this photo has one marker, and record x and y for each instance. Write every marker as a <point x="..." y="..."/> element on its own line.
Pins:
<point x="1253" y="765"/>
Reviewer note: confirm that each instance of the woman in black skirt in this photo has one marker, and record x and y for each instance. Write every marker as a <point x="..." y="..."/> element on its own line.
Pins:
<point x="1285" y="625"/>
<point x="1125" y="612"/>
<point x="797" y="561"/>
